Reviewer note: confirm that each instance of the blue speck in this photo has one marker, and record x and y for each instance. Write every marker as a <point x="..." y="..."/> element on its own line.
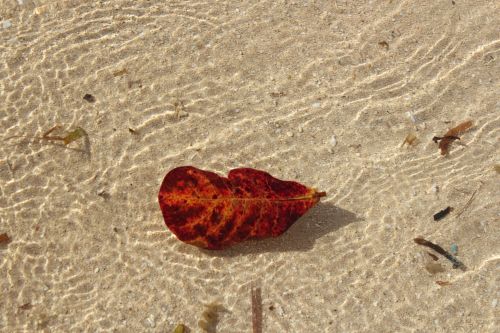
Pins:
<point x="454" y="249"/>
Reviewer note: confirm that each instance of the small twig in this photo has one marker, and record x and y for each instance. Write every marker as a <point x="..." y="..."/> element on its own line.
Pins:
<point x="11" y="169"/>
<point x="256" y="310"/>
<point x="456" y="263"/>
<point x="468" y="202"/>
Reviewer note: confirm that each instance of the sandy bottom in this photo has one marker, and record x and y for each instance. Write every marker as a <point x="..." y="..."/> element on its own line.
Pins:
<point x="321" y="92"/>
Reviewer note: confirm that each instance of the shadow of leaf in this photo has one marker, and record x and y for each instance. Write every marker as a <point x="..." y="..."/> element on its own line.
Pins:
<point x="321" y="220"/>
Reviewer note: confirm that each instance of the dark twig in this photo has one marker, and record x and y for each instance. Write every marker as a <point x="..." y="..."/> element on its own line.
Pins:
<point x="256" y="310"/>
<point x="442" y="213"/>
<point x="440" y="250"/>
<point x="467" y="204"/>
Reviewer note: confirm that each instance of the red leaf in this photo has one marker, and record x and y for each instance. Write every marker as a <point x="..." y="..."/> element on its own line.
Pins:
<point x="204" y="209"/>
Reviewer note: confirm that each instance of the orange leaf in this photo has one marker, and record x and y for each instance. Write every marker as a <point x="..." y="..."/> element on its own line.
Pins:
<point x="452" y="135"/>
<point x="204" y="209"/>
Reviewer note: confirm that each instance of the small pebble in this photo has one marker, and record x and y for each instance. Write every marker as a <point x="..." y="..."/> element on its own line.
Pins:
<point x="6" y="24"/>
<point x="316" y="105"/>
<point x="20" y="2"/>
<point x="40" y="10"/>
<point x="333" y="141"/>
<point x="435" y="188"/>
<point x="412" y="117"/>
<point x="290" y="134"/>
<point x="89" y="98"/>
<point x="494" y="303"/>
<point x="454" y="249"/>
<point x="279" y="311"/>
<point x="151" y="321"/>
<point x="301" y="129"/>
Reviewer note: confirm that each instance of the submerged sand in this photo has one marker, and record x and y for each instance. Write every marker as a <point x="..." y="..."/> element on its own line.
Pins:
<point x="321" y="92"/>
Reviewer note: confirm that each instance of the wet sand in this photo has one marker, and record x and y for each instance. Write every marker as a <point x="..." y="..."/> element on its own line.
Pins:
<point x="321" y="92"/>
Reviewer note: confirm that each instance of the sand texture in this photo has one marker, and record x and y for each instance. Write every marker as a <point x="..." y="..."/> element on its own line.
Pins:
<point x="322" y="92"/>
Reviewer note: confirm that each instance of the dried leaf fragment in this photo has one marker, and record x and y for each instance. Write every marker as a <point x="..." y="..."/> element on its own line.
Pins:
<point x="120" y="72"/>
<point x="180" y="329"/>
<point x="74" y="135"/>
<point x="89" y="98"/>
<point x="210" y="317"/>
<point x="26" y="306"/>
<point x="384" y="44"/>
<point x="433" y="256"/>
<point x="440" y="250"/>
<point x="410" y="140"/>
<point x="277" y="94"/>
<point x="4" y="239"/>
<point x="71" y="136"/>
<point x="442" y="213"/>
<point x="452" y="135"/>
<point x="443" y="283"/>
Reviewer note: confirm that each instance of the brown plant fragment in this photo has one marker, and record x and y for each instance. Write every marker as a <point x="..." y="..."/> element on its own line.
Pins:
<point x="134" y="83"/>
<point x="181" y="328"/>
<point x="410" y="140"/>
<point x="277" y="94"/>
<point x="210" y="317"/>
<point x="452" y="135"/>
<point x="440" y="250"/>
<point x="442" y="213"/>
<point x="71" y="136"/>
<point x="120" y="72"/>
<point x="384" y="44"/>
<point x="204" y="209"/>
<point x="89" y="98"/>
<point x="256" y="310"/>
<point x="26" y="306"/>
<point x="433" y="256"/>
<point x="4" y="239"/>
<point x="443" y="283"/>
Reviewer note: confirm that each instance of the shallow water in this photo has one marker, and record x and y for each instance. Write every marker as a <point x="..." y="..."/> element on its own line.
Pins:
<point x="265" y="85"/>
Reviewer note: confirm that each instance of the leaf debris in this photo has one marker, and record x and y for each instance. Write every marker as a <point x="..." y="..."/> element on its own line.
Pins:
<point x="384" y="44"/>
<point x="442" y="213"/>
<point x="181" y="328"/>
<point x="443" y="283"/>
<point x="433" y="256"/>
<point x="89" y="98"/>
<point x="26" y="306"/>
<point x="120" y="72"/>
<point x="452" y="135"/>
<point x="4" y="238"/>
<point x="410" y="140"/>
<point x="443" y="252"/>
<point x="210" y="317"/>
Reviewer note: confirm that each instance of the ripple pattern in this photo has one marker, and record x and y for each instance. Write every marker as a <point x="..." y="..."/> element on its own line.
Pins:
<point x="263" y="84"/>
